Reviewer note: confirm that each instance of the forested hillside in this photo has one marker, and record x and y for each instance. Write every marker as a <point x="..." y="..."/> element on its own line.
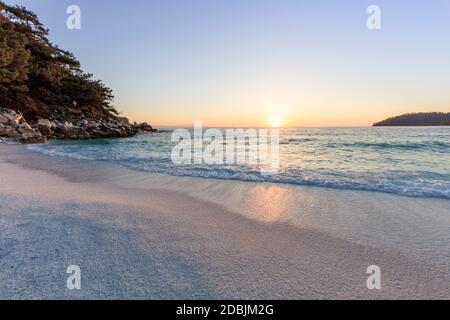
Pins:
<point x="40" y="80"/>
<point x="417" y="119"/>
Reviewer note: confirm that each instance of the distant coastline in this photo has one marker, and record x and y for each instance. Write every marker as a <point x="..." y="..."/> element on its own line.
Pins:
<point x="417" y="119"/>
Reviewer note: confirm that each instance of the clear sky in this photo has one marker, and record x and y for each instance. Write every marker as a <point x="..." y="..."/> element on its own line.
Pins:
<point x="248" y="62"/>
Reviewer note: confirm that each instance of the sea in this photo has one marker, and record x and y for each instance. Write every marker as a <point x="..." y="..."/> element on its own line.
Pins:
<point x="407" y="161"/>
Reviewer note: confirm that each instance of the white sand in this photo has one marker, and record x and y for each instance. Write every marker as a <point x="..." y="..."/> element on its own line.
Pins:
<point x="149" y="236"/>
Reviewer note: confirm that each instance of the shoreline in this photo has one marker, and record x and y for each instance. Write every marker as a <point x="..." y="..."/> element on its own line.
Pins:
<point x="357" y="215"/>
<point x="153" y="236"/>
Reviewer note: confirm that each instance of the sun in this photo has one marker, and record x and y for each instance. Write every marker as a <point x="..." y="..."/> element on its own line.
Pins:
<point x="276" y="123"/>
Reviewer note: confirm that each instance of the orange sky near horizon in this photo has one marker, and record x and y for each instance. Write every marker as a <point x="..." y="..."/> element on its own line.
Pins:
<point x="288" y="116"/>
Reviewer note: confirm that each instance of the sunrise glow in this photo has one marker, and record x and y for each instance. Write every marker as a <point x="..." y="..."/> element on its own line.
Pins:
<point x="276" y="123"/>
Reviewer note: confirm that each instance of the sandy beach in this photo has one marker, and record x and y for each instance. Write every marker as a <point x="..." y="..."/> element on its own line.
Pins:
<point x="138" y="235"/>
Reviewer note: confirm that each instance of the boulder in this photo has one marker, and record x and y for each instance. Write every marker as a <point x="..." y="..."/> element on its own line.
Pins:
<point x="33" y="136"/>
<point x="145" y="127"/>
<point x="57" y="128"/>
<point x="96" y="133"/>
<point x="92" y="125"/>
<point x="113" y="132"/>
<point x="13" y="125"/>
<point x="7" y="131"/>
<point x="44" y="123"/>
<point x="124" y="120"/>
<point x="11" y="116"/>
<point x="24" y="127"/>
<point x="3" y="119"/>
<point x="69" y="131"/>
<point x="83" y="123"/>
<point x="45" y="127"/>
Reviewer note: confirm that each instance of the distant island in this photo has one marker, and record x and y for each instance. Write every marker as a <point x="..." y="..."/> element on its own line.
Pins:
<point x="417" y="119"/>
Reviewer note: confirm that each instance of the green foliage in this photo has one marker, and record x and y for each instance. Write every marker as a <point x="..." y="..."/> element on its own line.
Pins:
<point x="41" y="80"/>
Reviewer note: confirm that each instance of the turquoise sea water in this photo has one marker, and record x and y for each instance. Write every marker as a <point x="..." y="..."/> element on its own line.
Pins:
<point x="404" y="161"/>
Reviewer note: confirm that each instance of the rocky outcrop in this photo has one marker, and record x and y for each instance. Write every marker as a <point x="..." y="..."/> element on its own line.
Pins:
<point x="13" y="126"/>
<point x="144" y="127"/>
<point x="45" y="127"/>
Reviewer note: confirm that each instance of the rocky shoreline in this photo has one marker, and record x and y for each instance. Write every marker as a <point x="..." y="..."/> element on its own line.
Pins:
<point x="14" y="127"/>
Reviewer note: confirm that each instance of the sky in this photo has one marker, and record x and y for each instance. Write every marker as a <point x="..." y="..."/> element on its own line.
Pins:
<point x="248" y="63"/>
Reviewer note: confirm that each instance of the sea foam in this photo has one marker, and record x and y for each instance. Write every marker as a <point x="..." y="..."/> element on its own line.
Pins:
<point x="405" y="161"/>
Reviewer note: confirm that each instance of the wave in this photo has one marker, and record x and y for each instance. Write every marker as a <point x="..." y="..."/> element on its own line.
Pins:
<point x="417" y="188"/>
<point x="41" y="149"/>
<point x="411" y="162"/>
<point x="297" y="140"/>
<point x="405" y="183"/>
<point x="431" y="145"/>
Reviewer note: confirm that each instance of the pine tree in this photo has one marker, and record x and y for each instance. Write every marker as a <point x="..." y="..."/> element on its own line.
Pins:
<point x="41" y="80"/>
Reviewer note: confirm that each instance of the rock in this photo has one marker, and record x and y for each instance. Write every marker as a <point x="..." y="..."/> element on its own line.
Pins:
<point x="45" y="127"/>
<point x="13" y="118"/>
<point x="67" y="126"/>
<point x="145" y="127"/>
<point x="69" y="131"/>
<point x="3" y="119"/>
<point x="24" y="127"/>
<point x="32" y="137"/>
<point x="57" y="128"/>
<point x="7" y="131"/>
<point x="14" y="126"/>
<point x="99" y="134"/>
<point x="92" y="125"/>
<point x="44" y="123"/>
<point x="124" y="120"/>
<point x="83" y="123"/>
